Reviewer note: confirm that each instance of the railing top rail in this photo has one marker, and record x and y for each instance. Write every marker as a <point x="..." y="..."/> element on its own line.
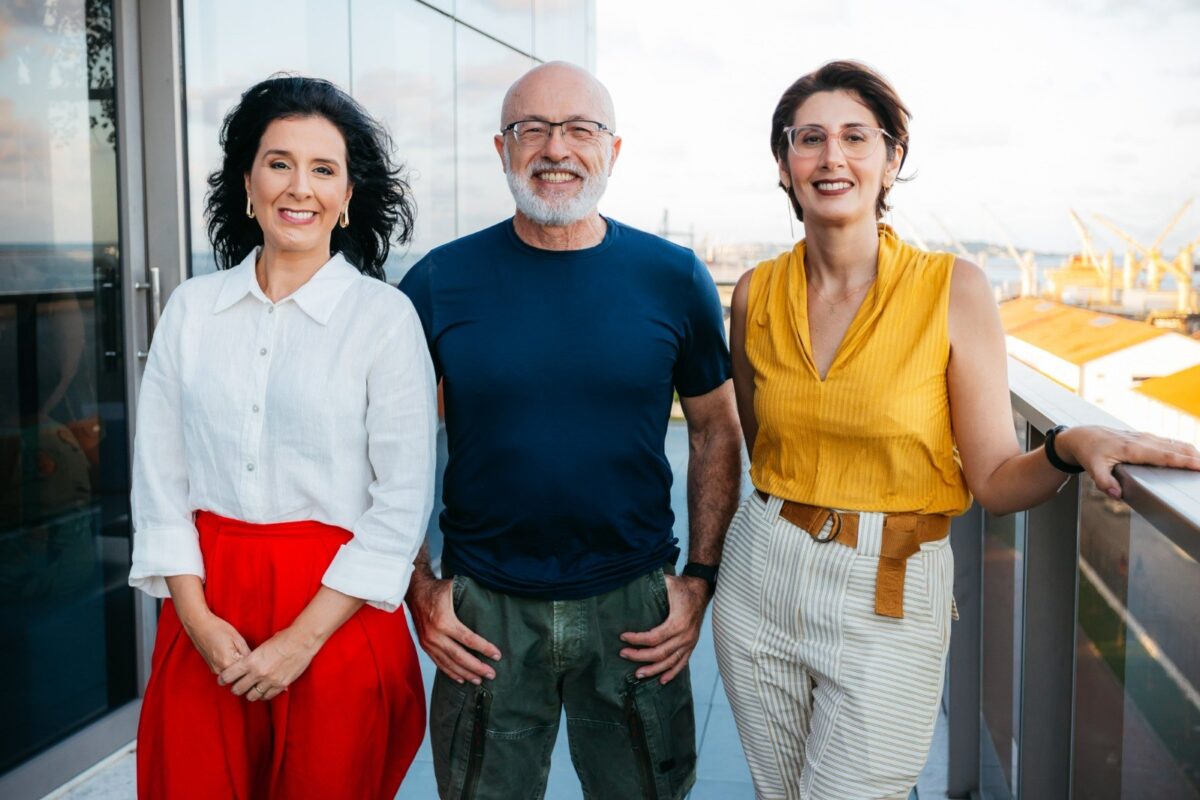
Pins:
<point x="1168" y="498"/>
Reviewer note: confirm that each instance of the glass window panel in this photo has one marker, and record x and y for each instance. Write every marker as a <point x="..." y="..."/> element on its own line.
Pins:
<point x="411" y="89"/>
<point x="560" y="31"/>
<point x="1003" y="594"/>
<point x="66" y="614"/>
<point x="485" y="71"/>
<point x="1137" y="710"/>
<point x="229" y="45"/>
<point x="510" y="21"/>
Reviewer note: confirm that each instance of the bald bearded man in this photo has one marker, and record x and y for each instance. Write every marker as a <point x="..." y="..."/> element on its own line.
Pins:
<point x="560" y="336"/>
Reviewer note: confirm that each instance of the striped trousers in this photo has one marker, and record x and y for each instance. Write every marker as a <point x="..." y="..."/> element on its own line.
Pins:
<point x="831" y="700"/>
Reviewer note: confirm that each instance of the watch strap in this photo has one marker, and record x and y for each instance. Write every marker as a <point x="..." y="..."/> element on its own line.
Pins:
<point x="706" y="572"/>
<point x="1052" y="455"/>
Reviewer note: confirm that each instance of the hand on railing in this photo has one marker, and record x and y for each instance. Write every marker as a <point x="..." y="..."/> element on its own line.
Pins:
<point x="1098" y="449"/>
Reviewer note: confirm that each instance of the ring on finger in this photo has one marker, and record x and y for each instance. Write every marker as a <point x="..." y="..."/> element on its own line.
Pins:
<point x="261" y="691"/>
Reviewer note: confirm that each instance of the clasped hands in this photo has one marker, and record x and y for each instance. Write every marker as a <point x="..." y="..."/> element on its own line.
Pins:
<point x="261" y="673"/>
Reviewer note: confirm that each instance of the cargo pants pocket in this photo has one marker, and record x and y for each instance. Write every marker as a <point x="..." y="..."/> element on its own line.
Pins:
<point x="458" y="729"/>
<point x="662" y="730"/>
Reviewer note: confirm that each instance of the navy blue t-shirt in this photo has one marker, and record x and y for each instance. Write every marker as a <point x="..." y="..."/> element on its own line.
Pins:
<point x="558" y="370"/>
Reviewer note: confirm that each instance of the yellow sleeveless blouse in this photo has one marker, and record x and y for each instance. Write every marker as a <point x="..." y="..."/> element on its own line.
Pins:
<point x="875" y="434"/>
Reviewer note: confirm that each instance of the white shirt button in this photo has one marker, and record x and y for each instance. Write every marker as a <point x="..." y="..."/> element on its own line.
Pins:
<point x="270" y="309"/>
<point x="254" y="408"/>
<point x="249" y="468"/>
<point x="262" y="351"/>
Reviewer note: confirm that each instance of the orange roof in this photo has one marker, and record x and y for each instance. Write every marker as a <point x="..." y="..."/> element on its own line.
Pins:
<point x="1073" y="334"/>
<point x="1179" y="389"/>
<point x="1021" y="310"/>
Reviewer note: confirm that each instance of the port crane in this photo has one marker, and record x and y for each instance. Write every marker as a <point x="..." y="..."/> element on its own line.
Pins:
<point x="1155" y="264"/>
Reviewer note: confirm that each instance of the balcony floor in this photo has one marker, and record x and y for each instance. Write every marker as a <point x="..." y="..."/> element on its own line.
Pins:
<point x="721" y="773"/>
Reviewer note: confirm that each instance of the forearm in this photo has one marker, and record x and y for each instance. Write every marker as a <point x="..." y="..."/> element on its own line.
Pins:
<point x="325" y="613"/>
<point x="187" y="594"/>
<point x="1022" y="481"/>
<point x="422" y="575"/>
<point x="714" y="486"/>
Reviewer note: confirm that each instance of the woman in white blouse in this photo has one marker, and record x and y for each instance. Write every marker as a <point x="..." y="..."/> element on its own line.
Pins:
<point x="283" y="471"/>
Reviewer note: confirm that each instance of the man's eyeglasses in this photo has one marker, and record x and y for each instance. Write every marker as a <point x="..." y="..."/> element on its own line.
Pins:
<point x="535" y="132"/>
<point x="856" y="141"/>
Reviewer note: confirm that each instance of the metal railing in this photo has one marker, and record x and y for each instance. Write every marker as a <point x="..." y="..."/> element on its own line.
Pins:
<point x="1075" y="663"/>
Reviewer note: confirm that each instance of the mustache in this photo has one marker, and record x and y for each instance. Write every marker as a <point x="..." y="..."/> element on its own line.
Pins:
<point x="546" y="165"/>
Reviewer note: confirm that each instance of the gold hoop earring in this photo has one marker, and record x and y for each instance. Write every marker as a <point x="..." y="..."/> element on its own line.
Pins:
<point x="249" y="208"/>
<point x="344" y="218"/>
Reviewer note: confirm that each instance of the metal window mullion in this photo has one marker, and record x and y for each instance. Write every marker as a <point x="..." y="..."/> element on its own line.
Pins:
<point x="964" y="689"/>
<point x="1047" y="675"/>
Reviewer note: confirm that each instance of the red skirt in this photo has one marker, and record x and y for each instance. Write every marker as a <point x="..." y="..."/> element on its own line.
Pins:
<point x="349" y="726"/>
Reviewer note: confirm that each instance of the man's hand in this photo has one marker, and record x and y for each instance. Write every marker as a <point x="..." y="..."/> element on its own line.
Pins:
<point x="447" y="641"/>
<point x="668" y="647"/>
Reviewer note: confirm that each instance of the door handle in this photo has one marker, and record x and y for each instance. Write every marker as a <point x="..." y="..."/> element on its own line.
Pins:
<point x="154" y="286"/>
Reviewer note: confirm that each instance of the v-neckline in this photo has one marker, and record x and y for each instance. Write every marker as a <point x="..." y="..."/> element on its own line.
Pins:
<point x="866" y="313"/>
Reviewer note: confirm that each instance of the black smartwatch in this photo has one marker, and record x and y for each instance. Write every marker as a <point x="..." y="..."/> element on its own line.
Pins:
<point x="1052" y="455"/>
<point x="705" y="572"/>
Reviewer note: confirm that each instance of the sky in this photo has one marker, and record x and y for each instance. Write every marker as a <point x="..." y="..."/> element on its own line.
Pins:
<point x="1021" y="111"/>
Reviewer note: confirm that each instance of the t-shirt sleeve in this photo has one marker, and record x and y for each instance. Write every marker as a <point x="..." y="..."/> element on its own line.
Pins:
<point x="417" y="285"/>
<point x="703" y="363"/>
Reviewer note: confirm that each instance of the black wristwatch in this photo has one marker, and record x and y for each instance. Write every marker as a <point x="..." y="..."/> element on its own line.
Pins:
<point x="1052" y="455"/>
<point x="705" y="572"/>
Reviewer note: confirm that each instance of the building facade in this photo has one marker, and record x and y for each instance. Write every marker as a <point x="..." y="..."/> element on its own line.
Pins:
<point x="109" y="113"/>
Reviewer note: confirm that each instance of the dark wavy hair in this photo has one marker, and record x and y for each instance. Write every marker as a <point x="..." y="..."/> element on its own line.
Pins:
<point x="871" y="89"/>
<point x="382" y="209"/>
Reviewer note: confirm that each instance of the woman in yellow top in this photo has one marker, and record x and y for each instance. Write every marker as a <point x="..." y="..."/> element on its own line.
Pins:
<point x="872" y="389"/>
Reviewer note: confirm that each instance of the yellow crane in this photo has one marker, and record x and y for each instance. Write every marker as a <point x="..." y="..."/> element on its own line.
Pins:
<point x="1025" y="262"/>
<point x="1155" y="264"/>
<point x="1102" y="265"/>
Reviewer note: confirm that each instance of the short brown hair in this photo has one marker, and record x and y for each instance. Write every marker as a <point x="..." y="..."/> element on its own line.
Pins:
<point x="871" y="88"/>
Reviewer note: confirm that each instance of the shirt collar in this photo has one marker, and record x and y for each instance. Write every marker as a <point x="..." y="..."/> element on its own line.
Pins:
<point x="318" y="297"/>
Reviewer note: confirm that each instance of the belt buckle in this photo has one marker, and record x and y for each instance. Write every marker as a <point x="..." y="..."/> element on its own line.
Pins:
<point x="834" y="529"/>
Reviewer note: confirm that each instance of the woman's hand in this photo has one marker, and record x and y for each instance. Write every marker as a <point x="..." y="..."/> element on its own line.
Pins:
<point x="218" y="642"/>
<point x="279" y="661"/>
<point x="272" y="667"/>
<point x="1099" y="449"/>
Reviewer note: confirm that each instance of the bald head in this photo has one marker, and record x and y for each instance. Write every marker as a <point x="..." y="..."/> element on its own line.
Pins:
<point x="558" y="91"/>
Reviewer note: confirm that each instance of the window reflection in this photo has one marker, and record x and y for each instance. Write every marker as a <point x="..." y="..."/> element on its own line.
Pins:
<point x="561" y="30"/>
<point x="411" y="88"/>
<point x="510" y="21"/>
<point x="1137" y="716"/>
<point x="485" y="71"/>
<point x="65" y="612"/>
<point x="229" y="45"/>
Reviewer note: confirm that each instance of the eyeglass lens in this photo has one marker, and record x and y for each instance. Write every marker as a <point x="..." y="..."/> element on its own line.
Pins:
<point x="855" y="142"/>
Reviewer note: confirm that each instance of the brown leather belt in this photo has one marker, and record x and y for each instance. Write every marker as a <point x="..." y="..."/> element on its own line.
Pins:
<point x="903" y="535"/>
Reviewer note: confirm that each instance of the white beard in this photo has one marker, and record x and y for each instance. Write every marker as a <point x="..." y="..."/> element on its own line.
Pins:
<point x="559" y="212"/>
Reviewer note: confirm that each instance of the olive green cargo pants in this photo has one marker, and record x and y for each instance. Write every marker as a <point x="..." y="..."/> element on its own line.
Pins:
<point x="629" y="739"/>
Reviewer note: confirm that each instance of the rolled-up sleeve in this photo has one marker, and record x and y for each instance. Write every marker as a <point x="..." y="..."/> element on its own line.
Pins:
<point x="164" y="539"/>
<point x="376" y="564"/>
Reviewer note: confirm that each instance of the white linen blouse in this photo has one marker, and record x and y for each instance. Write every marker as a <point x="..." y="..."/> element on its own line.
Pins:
<point x="318" y="407"/>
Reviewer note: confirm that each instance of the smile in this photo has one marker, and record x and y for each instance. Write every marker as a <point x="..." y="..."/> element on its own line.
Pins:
<point x="832" y="186"/>
<point x="556" y="177"/>
<point x="297" y="217"/>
